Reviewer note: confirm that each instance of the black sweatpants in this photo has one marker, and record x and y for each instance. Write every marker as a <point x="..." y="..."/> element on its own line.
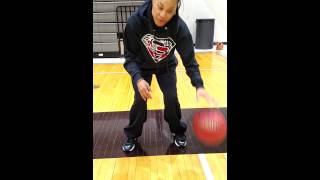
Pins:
<point x="172" y="113"/>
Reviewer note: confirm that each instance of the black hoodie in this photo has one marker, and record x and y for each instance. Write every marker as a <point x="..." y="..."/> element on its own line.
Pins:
<point x="148" y="48"/>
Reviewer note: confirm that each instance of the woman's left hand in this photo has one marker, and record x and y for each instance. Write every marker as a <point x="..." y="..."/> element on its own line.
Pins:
<point x="201" y="92"/>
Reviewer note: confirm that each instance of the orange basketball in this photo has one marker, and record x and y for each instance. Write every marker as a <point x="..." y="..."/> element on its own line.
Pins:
<point x="210" y="127"/>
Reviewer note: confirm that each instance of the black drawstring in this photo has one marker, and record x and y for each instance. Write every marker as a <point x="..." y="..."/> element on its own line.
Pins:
<point x="167" y="66"/>
<point x="157" y="68"/>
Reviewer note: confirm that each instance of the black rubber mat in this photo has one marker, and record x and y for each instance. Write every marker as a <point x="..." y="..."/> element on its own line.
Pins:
<point x="156" y="139"/>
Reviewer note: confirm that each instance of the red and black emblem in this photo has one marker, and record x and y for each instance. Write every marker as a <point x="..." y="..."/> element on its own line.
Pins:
<point x="158" y="48"/>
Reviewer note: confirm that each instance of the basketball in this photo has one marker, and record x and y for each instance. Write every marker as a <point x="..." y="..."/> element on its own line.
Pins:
<point x="210" y="127"/>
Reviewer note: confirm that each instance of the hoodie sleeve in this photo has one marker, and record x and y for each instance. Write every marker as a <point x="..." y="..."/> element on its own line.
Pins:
<point x="186" y="51"/>
<point x="131" y="49"/>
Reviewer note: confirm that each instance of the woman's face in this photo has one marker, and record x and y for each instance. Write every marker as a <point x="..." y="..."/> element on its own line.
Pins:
<point x="163" y="11"/>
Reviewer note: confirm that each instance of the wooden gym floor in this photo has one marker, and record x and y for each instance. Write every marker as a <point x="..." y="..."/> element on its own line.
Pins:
<point x="155" y="157"/>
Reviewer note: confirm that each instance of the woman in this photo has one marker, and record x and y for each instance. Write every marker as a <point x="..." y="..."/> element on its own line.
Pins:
<point x="151" y="36"/>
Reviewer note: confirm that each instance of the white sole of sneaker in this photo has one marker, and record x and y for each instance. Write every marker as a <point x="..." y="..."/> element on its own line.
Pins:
<point x="129" y="149"/>
<point x="175" y="142"/>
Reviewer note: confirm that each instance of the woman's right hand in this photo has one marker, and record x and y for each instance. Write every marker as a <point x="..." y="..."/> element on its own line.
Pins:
<point x="144" y="89"/>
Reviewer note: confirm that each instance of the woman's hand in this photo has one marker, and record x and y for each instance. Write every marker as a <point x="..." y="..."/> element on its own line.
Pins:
<point x="201" y="92"/>
<point x="144" y="89"/>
